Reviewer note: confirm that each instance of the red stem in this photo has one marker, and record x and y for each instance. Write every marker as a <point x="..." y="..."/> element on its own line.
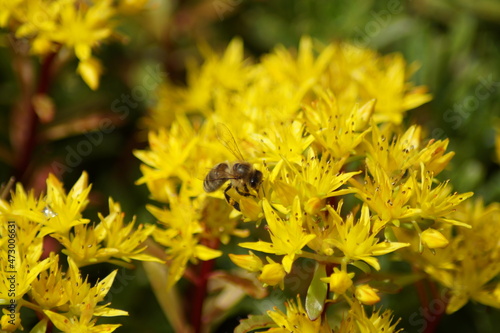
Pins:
<point x="422" y="293"/>
<point x="200" y="292"/>
<point x="25" y="155"/>
<point x="432" y="324"/>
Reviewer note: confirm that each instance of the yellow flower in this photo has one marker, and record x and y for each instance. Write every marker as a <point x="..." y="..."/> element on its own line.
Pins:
<point x="385" y="80"/>
<point x="123" y="241"/>
<point x="339" y="281"/>
<point x="358" y="321"/>
<point x="319" y="177"/>
<point x="20" y="266"/>
<point x="24" y="208"/>
<point x="388" y="198"/>
<point x="314" y="181"/>
<point x="181" y="249"/>
<point x="23" y="267"/>
<point x="81" y="294"/>
<point x="108" y="241"/>
<point x="366" y="294"/>
<point x="217" y="218"/>
<point x="11" y="320"/>
<point x="181" y="235"/>
<point x="82" y="324"/>
<point x="337" y="131"/>
<point x="78" y="25"/>
<point x="82" y="245"/>
<point x="283" y="141"/>
<point x="437" y="203"/>
<point x="305" y="71"/>
<point x="287" y="236"/>
<point x="433" y="156"/>
<point x="84" y="27"/>
<point x="469" y="265"/>
<point x="81" y="312"/>
<point x="217" y="84"/>
<point x="7" y="9"/>
<point x="357" y="241"/>
<point x="471" y="281"/>
<point x="272" y="274"/>
<point x="296" y="320"/>
<point x="393" y="155"/>
<point x="398" y="155"/>
<point x="170" y="159"/>
<point x="65" y="209"/>
<point x="48" y="289"/>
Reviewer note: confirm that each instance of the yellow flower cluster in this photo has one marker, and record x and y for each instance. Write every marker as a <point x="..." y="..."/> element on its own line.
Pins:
<point x="469" y="265"/>
<point x="77" y="25"/>
<point x="340" y="171"/>
<point x="31" y="279"/>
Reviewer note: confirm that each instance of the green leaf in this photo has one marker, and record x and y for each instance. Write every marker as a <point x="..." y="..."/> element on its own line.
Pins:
<point x="253" y="323"/>
<point x="316" y="293"/>
<point x="169" y="299"/>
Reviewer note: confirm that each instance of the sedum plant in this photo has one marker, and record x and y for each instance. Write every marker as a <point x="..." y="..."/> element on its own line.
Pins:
<point x="62" y="26"/>
<point x="34" y="279"/>
<point x="347" y="188"/>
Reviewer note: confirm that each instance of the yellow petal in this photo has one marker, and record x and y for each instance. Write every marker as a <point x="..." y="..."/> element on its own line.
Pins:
<point x="205" y="253"/>
<point x="387" y="247"/>
<point x="250" y="208"/>
<point x="90" y="70"/>
<point x="59" y="321"/>
<point x="456" y="303"/>
<point x="259" y="246"/>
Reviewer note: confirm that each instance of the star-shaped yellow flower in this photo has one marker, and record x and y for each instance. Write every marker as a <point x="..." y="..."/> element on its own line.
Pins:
<point x="357" y="240"/>
<point x="288" y="237"/>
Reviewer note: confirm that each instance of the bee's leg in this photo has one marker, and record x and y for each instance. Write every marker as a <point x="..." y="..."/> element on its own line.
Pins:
<point x="230" y="200"/>
<point x="246" y="193"/>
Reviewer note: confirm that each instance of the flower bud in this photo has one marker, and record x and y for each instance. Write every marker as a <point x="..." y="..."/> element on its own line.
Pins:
<point x="433" y="239"/>
<point x="10" y="322"/>
<point x="272" y="274"/>
<point x="250" y="262"/>
<point x="366" y="294"/>
<point x="339" y="281"/>
<point x="313" y="205"/>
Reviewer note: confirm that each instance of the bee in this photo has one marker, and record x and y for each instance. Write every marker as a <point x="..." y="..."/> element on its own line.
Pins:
<point x="242" y="176"/>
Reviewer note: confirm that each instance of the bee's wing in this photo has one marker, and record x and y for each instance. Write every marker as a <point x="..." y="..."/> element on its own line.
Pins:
<point x="227" y="139"/>
<point x="219" y="174"/>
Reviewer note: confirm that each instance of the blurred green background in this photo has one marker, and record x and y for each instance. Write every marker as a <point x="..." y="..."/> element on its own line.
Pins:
<point x="456" y="43"/>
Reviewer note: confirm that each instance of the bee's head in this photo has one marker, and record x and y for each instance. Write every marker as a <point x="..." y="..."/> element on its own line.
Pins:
<point x="255" y="179"/>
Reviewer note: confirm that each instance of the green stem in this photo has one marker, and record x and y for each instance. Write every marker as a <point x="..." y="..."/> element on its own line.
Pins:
<point x="320" y="258"/>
